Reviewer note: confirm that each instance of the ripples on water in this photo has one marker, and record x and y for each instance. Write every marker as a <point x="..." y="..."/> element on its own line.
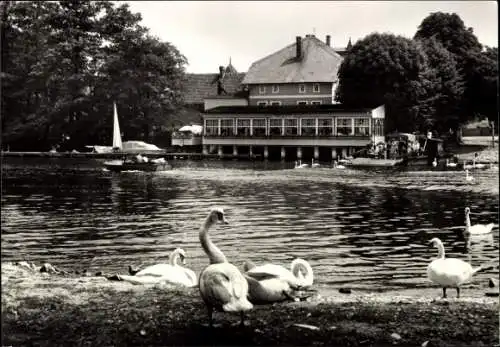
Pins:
<point x="363" y="228"/>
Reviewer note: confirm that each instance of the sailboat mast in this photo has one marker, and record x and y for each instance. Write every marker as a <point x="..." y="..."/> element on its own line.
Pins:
<point x="117" y="137"/>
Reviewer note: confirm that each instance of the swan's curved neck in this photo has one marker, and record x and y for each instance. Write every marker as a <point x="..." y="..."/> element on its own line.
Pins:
<point x="304" y="267"/>
<point x="440" y="248"/>
<point x="214" y="254"/>
<point x="174" y="257"/>
<point x="467" y="221"/>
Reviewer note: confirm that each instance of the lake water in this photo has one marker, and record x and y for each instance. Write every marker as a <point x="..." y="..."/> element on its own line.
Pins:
<point x="366" y="229"/>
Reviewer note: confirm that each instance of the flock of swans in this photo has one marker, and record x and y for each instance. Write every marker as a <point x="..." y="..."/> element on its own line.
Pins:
<point x="223" y="287"/>
<point x="300" y="165"/>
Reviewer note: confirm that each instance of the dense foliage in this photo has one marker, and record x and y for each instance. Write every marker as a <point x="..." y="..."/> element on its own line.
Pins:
<point x="64" y="64"/>
<point x="439" y="80"/>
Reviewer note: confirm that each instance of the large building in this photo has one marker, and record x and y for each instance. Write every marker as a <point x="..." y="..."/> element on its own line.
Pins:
<point x="303" y="73"/>
<point x="322" y="132"/>
<point x="284" y="107"/>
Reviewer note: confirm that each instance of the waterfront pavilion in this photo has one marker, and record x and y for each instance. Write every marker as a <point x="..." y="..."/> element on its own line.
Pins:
<point x="322" y="132"/>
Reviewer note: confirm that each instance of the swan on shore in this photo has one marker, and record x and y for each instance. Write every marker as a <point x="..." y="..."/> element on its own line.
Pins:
<point x="450" y="164"/>
<point x="172" y="272"/>
<point x="299" y="275"/>
<point x="449" y="272"/>
<point x="313" y="164"/>
<point x="222" y="286"/>
<point x="271" y="283"/>
<point x="476" y="229"/>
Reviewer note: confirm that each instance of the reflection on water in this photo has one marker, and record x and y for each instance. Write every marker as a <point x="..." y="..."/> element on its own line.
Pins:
<point x="366" y="229"/>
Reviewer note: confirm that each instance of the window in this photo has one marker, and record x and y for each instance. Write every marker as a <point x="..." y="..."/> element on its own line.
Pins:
<point x="308" y="126"/>
<point x="291" y="128"/>
<point x="378" y="127"/>
<point x="276" y="88"/>
<point x="275" y="103"/>
<point x="301" y="102"/>
<point x="344" y="126"/>
<point x="325" y="127"/>
<point x="275" y="127"/>
<point x="302" y="88"/>
<point x="243" y="127"/>
<point x="259" y="127"/>
<point x="361" y="127"/>
<point x="211" y="127"/>
<point x="261" y="103"/>
<point x="317" y="102"/>
<point x="316" y="88"/>
<point x="226" y="127"/>
<point x="262" y="89"/>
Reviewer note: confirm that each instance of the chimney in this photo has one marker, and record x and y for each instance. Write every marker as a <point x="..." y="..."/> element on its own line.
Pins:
<point x="298" y="40"/>
<point x="328" y="40"/>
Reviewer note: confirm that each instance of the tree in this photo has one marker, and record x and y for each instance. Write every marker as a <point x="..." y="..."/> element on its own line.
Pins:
<point x="63" y="65"/>
<point x="384" y="69"/>
<point x="473" y="64"/>
<point x="442" y="87"/>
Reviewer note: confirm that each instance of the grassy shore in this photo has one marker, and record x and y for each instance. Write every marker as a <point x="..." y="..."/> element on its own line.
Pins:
<point x="52" y="310"/>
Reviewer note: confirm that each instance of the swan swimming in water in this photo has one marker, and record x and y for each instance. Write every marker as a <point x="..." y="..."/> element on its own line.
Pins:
<point x="171" y="272"/>
<point x="468" y="166"/>
<point x="313" y="164"/>
<point x="476" y="229"/>
<point x="449" y="272"/>
<point x="434" y="162"/>
<point x="468" y="178"/>
<point x="450" y="164"/>
<point x="299" y="165"/>
<point x="336" y="165"/>
<point x="222" y="286"/>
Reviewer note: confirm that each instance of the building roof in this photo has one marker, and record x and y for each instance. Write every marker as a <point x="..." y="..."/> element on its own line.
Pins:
<point x="319" y="63"/>
<point x="288" y="109"/>
<point x="198" y="86"/>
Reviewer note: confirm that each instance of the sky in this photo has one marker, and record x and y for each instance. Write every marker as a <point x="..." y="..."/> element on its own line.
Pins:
<point x="209" y="33"/>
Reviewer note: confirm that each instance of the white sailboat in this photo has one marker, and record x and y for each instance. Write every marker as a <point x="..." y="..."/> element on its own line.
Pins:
<point x="137" y="163"/>
<point x="117" y="136"/>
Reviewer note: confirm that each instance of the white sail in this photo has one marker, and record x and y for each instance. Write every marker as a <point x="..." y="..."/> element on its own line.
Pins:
<point x="117" y="137"/>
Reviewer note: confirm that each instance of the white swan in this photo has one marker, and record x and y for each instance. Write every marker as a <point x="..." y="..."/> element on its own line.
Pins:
<point x="299" y="275"/>
<point x="450" y="164"/>
<point x="468" y="166"/>
<point x="468" y="178"/>
<point x="449" y="272"/>
<point x="434" y="162"/>
<point x="313" y="164"/>
<point x="478" y="166"/>
<point x="299" y="165"/>
<point x="336" y="165"/>
<point x="477" y="229"/>
<point x="171" y="272"/>
<point x="222" y="285"/>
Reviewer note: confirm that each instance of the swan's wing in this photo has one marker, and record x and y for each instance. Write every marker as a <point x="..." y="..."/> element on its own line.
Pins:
<point x="216" y="287"/>
<point x="140" y="279"/>
<point x="156" y="270"/>
<point x="260" y="276"/>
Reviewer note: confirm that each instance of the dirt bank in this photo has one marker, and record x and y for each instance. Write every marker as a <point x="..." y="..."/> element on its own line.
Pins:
<point x="51" y="310"/>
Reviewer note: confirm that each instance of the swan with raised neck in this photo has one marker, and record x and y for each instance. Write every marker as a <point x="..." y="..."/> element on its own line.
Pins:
<point x="476" y="229"/>
<point x="450" y="272"/>
<point x="214" y="254"/>
<point x="222" y="286"/>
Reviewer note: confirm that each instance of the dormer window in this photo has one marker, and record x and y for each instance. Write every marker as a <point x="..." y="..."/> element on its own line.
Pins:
<point x="276" y="88"/>
<point x="302" y="88"/>
<point x="262" y="89"/>
<point x="316" y="88"/>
